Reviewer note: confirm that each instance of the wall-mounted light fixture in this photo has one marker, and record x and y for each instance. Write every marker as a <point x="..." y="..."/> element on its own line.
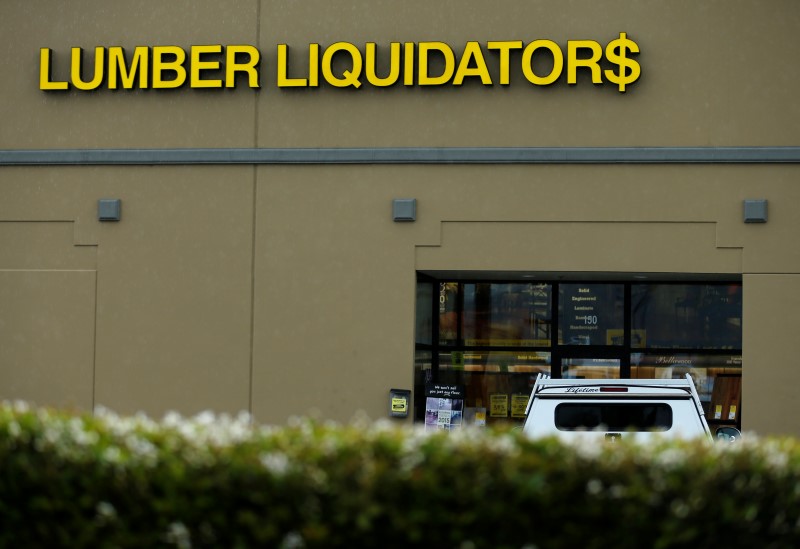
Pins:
<point x="755" y="211"/>
<point x="109" y="209"/>
<point x="404" y="209"/>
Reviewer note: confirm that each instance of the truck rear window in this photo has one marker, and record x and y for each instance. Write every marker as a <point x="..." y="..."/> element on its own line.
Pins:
<point x="614" y="417"/>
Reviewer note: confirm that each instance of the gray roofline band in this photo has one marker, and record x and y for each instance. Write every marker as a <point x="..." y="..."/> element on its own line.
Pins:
<point x="412" y="155"/>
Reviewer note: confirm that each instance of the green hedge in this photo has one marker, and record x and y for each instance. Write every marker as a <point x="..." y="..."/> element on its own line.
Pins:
<point x="215" y="481"/>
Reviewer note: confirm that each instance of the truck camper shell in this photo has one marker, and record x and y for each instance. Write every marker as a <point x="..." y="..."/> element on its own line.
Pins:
<point x="615" y="408"/>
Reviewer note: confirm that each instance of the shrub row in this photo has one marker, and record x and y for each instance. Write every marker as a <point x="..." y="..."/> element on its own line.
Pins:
<point x="217" y="481"/>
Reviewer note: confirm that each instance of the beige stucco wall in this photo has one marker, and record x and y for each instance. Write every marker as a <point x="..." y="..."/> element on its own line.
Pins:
<point x="144" y="118"/>
<point x="554" y="218"/>
<point x="281" y="289"/>
<point x="165" y="293"/>
<point x="714" y="73"/>
<point x="770" y="379"/>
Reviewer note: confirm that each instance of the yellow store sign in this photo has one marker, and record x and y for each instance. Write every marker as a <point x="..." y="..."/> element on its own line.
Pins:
<point x="407" y="64"/>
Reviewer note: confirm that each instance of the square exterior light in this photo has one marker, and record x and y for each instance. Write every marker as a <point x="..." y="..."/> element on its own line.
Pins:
<point x="404" y="209"/>
<point x="109" y="209"/>
<point x="755" y="211"/>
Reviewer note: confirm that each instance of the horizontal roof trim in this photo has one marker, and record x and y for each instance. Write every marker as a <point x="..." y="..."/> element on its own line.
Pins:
<point x="412" y="155"/>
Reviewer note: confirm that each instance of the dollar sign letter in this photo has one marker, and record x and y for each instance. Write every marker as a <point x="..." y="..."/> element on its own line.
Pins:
<point x="629" y="70"/>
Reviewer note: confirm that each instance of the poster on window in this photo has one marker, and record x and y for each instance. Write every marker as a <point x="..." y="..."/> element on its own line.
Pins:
<point x="444" y="406"/>
<point x="519" y="404"/>
<point x="498" y="405"/>
<point x="589" y="312"/>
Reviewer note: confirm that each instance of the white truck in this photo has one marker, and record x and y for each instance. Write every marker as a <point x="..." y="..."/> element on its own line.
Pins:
<point x="611" y="409"/>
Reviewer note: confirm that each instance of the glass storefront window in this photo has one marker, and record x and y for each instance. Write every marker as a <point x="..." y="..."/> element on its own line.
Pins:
<point x="423" y="365"/>
<point x="508" y="315"/>
<point x="449" y="309"/>
<point x="717" y="379"/>
<point x="496" y="383"/>
<point x="423" y="375"/>
<point x="424" y="316"/>
<point x="590" y="368"/>
<point x="495" y="361"/>
<point x="487" y="341"/>
<point x="591" y="314"/>
<point x="492" y="314"/>
<point x="686" y="316"/>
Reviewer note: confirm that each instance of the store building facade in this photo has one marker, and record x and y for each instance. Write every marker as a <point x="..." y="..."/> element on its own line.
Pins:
<point x="286" y="207"/>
